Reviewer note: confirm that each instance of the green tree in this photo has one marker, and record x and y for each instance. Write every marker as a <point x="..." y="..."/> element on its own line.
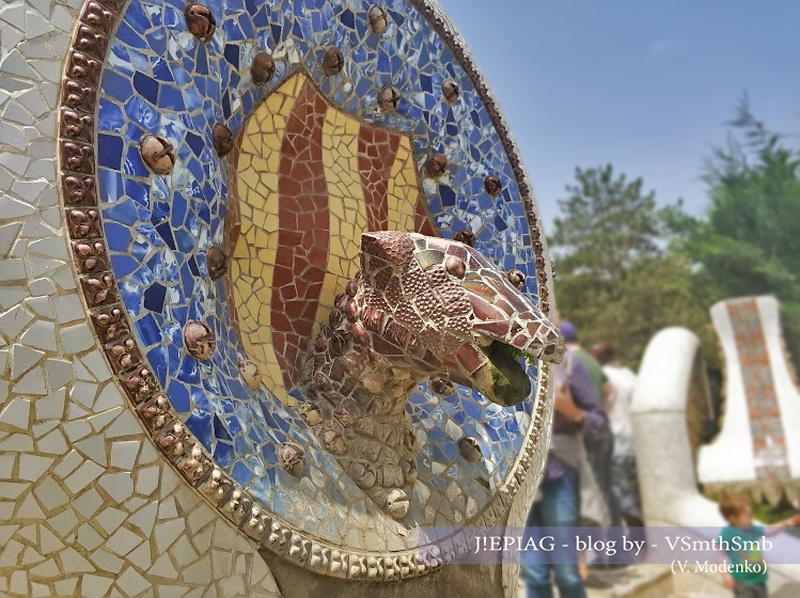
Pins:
<point x="749" y="241"/>
<point x="617" y="276"/>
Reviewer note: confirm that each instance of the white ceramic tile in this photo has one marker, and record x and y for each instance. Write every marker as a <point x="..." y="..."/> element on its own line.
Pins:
<point x="48" y="541"/>
<point x="40" y="335"/>
<point x="123" y="453"/>
<point x="163" y="567"/>
<point x="167" y="532"/>
<point x="15" y="319"/>
<point x="51" y="406"/>
<point x="49" y="494"/>
<point x="68" y="464"/>
<point x="119" y="486"/>
<point x="24" y="357"/>
<point x="141" y="556"/>
<point x="88" y="538"/>
<point x="32" y="383"/>
<point x="147" y="480"/>
<point x="31" y="467"/>
<point x="123" y="541"/>
<point x="95" y="585"/>
<point x="76" y="338"/>
<point x="16" y="414"/>
<point x="88" y="503"/>
<point x="75" y="430"/>
<point x="106" y="561"/>
<point x="48" y="569"/>
<point x="132" y="582"/>
<point x="94" y="448"/>
<point x="29" y="508"/>
<point x="66" y="587"/>
<point x="111" y="518"/>
<point x="63" y="523"/>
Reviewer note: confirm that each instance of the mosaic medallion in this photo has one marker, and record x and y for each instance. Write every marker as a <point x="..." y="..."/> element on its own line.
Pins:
<point x="219" y="165"/>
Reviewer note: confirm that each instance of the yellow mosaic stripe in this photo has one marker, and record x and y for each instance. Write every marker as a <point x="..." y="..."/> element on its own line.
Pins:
<point x="403" y="188"/>
<point x="348" y="218"/>
<point x="254" y="255"/>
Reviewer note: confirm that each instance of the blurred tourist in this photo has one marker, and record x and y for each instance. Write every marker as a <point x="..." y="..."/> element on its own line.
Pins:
<point x="568" y="478"/>
<point x="599" y="449"/>
<point x="624" y="481"/>
<point x="748" y="577"/>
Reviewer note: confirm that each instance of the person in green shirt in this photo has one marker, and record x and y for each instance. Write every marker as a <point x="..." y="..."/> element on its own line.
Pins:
<point x="747" y="574"/>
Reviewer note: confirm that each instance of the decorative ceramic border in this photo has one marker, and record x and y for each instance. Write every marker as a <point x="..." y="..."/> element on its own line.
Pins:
<point x="78" y="166"/>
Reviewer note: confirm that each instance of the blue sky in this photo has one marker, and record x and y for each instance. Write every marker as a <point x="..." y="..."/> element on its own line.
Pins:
<point x="646" y="85"/>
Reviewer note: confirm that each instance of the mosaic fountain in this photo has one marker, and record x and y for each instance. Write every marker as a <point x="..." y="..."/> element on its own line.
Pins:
<point x="280" y="301"/>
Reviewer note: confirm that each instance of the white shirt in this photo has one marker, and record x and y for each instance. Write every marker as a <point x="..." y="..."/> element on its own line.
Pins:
<point x="619" y="415"/>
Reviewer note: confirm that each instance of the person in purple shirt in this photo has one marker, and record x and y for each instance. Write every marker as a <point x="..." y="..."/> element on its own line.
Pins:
<point x="578" y="413"/>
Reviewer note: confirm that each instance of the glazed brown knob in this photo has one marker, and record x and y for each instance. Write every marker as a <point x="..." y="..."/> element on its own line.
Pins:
<point x="467" y="237"/>
<point x="516" y="278"/>
<point x="363" y="474"/>
<point x="217" y="262"/>
<point x="470" y="449"/>
<point x="442" y="387"/>
<point x="455" y="266"/>
<point x="292" y="458"/>
<point x="200" y="21"/>
<point x="199" y="339"/>
<point x="157" y="153"/>
<point x="492" y="185"/>
<point x="388" y="98"/>
<point x="310" y="414"/>
<point x="333" y="62"/>
<point x="397" y="503"/>
<point x="223" y="139"/>
<point x="436" y="166"/>
<point x="262" y="69"/>
<point x="450" y="91"/>
<point x="378" y="19"/>
<point x="250" y="373"/>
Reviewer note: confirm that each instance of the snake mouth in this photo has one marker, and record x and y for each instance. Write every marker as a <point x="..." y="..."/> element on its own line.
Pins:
<point x="508" y="378"/>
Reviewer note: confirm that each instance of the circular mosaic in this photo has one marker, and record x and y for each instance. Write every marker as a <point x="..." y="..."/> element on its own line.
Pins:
<point x="219" y="165"/>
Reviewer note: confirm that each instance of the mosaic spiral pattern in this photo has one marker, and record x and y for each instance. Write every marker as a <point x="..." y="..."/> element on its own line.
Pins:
<point x="145" y="273"/>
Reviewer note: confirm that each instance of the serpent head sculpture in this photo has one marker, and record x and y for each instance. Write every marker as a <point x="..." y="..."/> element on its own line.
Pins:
<point x="421" y="308"/>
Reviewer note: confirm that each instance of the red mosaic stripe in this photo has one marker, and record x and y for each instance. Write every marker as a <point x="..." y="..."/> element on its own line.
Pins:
<point x="304" y="222"/>
<point x="377" y="150"/>
<point x="769" y="441"/>
<point x="422" y="219"/>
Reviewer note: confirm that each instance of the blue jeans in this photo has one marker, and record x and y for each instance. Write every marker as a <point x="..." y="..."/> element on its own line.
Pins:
<point x="559" y="507"/>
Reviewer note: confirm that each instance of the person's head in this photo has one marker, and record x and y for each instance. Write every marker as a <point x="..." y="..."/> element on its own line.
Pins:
<point x="569" y="331"/>
<point x="736" y="510"/>
<point x="604" y="352"/>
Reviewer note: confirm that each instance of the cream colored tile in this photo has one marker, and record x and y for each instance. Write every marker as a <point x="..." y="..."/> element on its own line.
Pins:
<point x="123" y="453"/>
<point x="166" y="533"/>
<point x="16" y="414"/>
<point x="123" y="541"/>
<point x="93" y="586"/>
<point x="83" y="476"/>
<point x="110" y="519"/>
<point x="118" y="485"/>
<point x="49" y="494"/>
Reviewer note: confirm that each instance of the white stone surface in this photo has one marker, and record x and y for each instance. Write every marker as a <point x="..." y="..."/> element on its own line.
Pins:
<point x="667" y="475"/>
<point x="82" y="491"/>
<point x="730" y="458"/>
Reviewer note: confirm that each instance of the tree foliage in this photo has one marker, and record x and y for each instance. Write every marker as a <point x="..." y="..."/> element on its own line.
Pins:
<point x="749" y="241"/>
<point x="617" y="276"/>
